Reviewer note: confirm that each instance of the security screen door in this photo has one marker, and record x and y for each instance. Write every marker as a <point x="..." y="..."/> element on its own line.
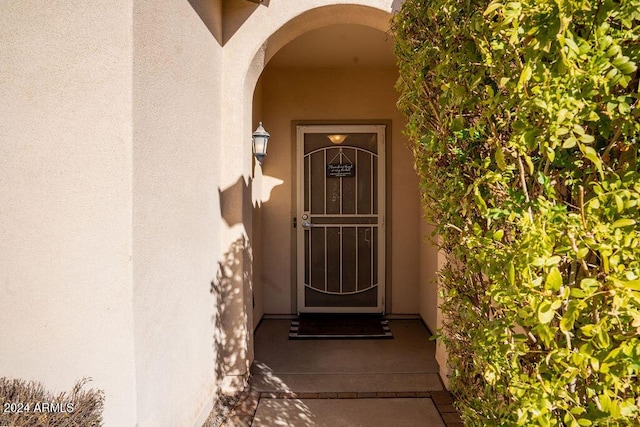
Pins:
<point x="340" y="218"/>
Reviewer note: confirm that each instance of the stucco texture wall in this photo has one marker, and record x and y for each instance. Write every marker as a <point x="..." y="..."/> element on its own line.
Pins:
<point x="65" y="198"/>
<point x="335" y="95"/>
<point x="428" y="278"/>
<point x="176" y="217"/>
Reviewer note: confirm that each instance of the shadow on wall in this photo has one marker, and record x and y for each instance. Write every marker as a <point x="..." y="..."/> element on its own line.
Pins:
<point x="396" y="5"/>
<point x="233" y="286"/>
<point x="232" y="289"/>
<point x="230" y="320"/>
<point x="231" y="201"/>
<point x="223" y="18"/>
<point x="210" y="13"/>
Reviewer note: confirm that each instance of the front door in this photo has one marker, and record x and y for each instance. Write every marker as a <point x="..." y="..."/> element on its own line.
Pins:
<point x="340" y="217"/>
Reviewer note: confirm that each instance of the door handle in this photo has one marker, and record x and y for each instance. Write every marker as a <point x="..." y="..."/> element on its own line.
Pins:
<point x="307" y="224"/>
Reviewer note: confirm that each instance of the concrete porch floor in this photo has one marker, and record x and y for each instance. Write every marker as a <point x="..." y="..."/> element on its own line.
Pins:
<point x="387" y="382"/>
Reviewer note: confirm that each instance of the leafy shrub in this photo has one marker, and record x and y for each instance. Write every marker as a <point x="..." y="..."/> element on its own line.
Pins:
<point x="524" y="122"/>
<point x="28" y="404"/>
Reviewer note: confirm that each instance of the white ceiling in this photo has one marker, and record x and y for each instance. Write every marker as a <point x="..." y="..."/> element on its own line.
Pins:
<point x="338" y="46"/>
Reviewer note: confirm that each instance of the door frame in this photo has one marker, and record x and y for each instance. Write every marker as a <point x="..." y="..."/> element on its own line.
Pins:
<point x="381" y="131"/>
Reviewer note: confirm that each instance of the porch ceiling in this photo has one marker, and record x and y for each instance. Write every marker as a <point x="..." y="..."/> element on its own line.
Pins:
<point x="338" y="46"/>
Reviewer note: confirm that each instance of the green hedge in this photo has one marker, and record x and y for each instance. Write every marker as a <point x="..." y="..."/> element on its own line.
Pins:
<point x="524" y="122"/>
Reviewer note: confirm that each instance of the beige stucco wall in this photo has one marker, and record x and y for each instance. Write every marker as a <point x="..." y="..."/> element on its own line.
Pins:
<point x="428" y="278"/>
<point x="177" y="223"/>
<point x="110" y="150"/>
<point x="334" y="95"/>
<point x="65" y="197"/>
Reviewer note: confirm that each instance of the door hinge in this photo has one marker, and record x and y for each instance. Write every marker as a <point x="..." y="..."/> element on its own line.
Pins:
<point x="295" y="222"/>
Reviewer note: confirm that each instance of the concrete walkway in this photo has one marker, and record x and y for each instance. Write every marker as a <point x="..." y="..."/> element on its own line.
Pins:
<point x="313" y="383"/>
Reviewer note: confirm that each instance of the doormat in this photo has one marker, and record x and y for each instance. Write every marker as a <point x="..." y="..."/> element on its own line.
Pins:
<point x="340" y="327"/>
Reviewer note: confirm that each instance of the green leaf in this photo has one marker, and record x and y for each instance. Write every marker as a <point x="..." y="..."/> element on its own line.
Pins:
<point x="551" y="154"/>
<point x="545" y="312"/>
<point x="538" y="262"/>
<point x="554" y="279"/>
<point x="525" y="76"/>
<point x="562" y="114"/>
<point x="589" y="284"/>
<point x="591" y="154"/>
<point x="554" y="260"/>
<point x="605" y="402"/>
<point x="490" y="375"/>
<point x="529" y="164"/>
<point x="587" y="139"/>
<point x="633" y="284"/>
<point x="624" y="222"/>
<point x="588" y="330"/>
<point x="492" y="7"/>
<point x="577" y="293"/>
<point x="628" y="68"/>
<point x="567" y="321"/>
<point x="578" y="129"/>
<point x="628" y="408"/>
<point x="582" y="252"/>
<point x="512" y="274"/>
<point x="482" y="205"/>
<point x="572" y="45"/>
<point x="619" y="203"/>
<point x="593" y="116"/>
<point x="500" y="159"/>
<point x="621" y="60"/>
<point x="624" y="108"/>
<point x="612" y="51"/>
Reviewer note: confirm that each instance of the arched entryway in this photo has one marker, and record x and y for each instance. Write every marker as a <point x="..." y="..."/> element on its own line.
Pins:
<point x="285" y="77"/>
<point x="337" y="79"/>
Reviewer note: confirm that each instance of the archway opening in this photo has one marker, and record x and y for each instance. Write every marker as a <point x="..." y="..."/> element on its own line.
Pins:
<point x="336" y="73"/>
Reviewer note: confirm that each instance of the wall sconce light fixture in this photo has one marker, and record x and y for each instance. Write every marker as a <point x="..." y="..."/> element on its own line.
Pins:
<point x="260" y="138"/>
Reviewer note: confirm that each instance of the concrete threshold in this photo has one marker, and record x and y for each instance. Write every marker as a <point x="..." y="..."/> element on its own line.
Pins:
<point x="347" y="413"/>
<point x="369" y="382"/>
